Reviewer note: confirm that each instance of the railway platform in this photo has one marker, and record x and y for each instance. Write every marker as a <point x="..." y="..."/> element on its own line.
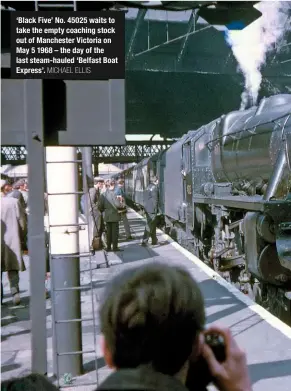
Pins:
<point x="266" y="340"/>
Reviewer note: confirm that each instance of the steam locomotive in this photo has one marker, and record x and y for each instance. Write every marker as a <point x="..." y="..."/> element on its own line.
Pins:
<point x="225" y="195"/>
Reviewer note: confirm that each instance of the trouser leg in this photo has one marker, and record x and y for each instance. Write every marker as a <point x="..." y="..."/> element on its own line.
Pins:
<point x="146" y="233"/>
<point x="109" y="235"/>
<point x="95" y="225"/>
<point x="126" y="225"/>
<point x="153" y="229"/>
<point x="13" y="277"/>
<point x="115" y="232"/>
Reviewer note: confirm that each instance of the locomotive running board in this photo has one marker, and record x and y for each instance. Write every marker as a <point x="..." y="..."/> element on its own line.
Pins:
<point x="255" y="203"/>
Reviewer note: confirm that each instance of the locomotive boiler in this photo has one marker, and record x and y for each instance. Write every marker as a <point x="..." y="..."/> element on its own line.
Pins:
<point x="225" y="196"/>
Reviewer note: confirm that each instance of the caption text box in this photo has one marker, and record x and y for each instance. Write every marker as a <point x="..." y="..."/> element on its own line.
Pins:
<point x="68" y="45"/>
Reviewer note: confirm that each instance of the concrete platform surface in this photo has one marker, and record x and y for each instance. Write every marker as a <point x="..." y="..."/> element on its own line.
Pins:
<point x="266" y="340"/>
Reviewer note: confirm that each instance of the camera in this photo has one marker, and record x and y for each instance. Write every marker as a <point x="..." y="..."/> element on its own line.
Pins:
<point x="199" y="376"/>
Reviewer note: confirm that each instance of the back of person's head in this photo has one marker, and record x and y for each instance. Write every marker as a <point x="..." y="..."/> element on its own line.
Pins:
<point x="120" y="182"/>
<point x="153" y="315"/>
<point x="32" y="382"/>
<point x="112" y="182"/>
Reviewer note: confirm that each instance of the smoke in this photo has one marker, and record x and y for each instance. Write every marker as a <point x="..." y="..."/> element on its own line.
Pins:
<point x="251" y="45"/>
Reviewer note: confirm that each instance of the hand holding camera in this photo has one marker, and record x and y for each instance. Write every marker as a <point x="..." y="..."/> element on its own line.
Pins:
<point x="222" y="362"/>
<point x="231" y="374"/>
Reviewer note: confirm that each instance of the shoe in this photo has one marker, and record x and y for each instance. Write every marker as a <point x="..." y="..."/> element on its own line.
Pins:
<point x="16" y="299"/>
<point x="144" y="244"/>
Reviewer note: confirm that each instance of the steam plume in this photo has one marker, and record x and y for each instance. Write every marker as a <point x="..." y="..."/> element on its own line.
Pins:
<point x="251" y="45"/>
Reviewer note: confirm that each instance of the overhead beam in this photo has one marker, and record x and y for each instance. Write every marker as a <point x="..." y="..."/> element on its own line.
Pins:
<point x="171" y="41"/>
<point x="191" y="23"/>
<point x="104" y="154"/>
<point x="140" y="17"/>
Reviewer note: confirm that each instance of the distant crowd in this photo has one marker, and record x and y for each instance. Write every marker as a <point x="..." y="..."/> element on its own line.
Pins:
<point x="14" y="212"/>
<point x="105" y="205"/>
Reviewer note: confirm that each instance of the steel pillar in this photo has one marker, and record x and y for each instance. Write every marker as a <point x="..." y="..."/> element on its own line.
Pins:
<point x="33" y="124"/>
<point x="191" y="23"/>
<point x="96" y="169"/>
<point x="87" y="153"/>
<point x="62" y="185"/>
<point x="140" y="17"/>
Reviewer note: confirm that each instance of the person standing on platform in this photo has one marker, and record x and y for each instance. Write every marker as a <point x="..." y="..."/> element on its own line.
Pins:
<point x="119" y="192"/>
<point x="94" y="195"/>
<point x="23" y="188"/>
<point x="13" y="228"/>
<point x="110" y="205"/>
<point x="16" y="193"/>
<point x="151" y="206"/>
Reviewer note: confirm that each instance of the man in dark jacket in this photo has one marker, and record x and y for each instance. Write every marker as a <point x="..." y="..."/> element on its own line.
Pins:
<point x="152" y="319"/>
<point x="119" y="192"/>
<point x="93" y="199"/>
<point x="110" y="206"/>
<point x="151" y="205"/>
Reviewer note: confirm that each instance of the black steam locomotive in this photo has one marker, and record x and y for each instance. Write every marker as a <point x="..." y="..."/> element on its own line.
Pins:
<point x="226" y="196"/>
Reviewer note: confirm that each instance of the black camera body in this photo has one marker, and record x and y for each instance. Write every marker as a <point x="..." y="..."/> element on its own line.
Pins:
<point x="199" y="376"/>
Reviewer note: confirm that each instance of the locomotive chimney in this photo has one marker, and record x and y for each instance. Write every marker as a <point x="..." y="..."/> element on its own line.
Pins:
<point x="250" y="102"/>
<point x="247" y="101"/>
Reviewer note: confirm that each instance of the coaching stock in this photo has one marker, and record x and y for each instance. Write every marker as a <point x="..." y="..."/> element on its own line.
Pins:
<point x="75" y="45"/>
